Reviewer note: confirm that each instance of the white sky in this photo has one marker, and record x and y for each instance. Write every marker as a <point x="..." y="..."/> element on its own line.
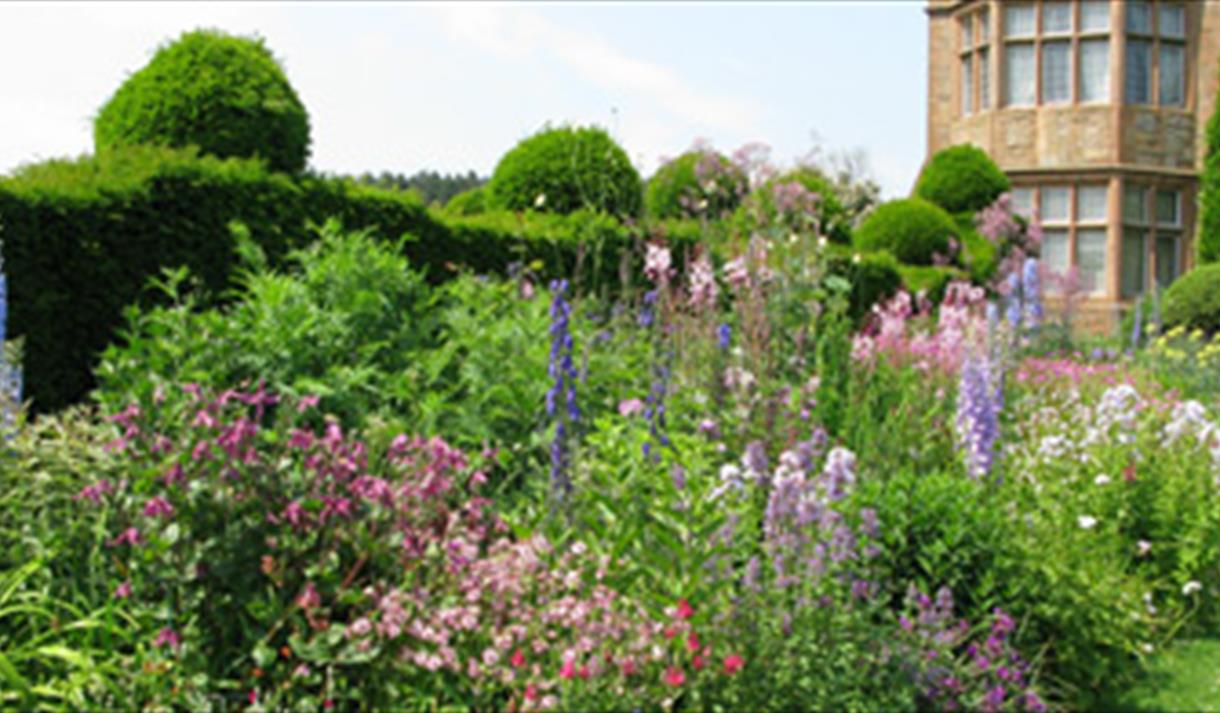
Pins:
<point x="404" y="87"/>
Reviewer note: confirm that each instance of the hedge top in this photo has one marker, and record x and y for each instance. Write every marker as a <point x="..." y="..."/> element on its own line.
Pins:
<point x="699" y="182"/>
<point x="227" y="95"/>
<point x="911" y="229"/>
<point x="565" y="169"/>
<point x="961" y="178"/>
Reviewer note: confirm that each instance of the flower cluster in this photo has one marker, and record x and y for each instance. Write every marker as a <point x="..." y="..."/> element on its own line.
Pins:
<point x="891" y="335"/>
<point x="978" y="414"/>
<point x="562" y="372"/>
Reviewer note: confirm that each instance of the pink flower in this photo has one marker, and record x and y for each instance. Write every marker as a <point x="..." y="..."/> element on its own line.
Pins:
<point x="627" y="667"/>
<point x="158" y="506"/>
<point x="517" y="660"/>
<point x="630" y="407"/>
<point x="696" y="662"/>
<point x="675" y="676"/>
<point x="692" y="642"/>
<point x="130" y="536"/>
<point x="657" y="263"/>
<point x="93" y="493"/>
<point x="306" y="403"/>
<point x="568" y="670"/>
<point x="123" y="590"/>
<point x="684" y="609"/>
<point x="733" y="664"/>
<point x="309" y="598"/>
<point x="167" y="637"/>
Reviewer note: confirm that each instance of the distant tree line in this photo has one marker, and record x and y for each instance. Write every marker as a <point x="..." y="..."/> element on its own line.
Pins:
<point x="435" y="187"/>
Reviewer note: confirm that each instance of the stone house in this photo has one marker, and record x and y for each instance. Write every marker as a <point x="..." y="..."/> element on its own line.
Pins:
<point x="1096" y="110"/>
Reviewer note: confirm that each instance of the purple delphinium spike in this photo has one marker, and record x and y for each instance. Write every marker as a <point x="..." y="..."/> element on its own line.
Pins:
<point x="977" y="415"/>
<point x="563" y="376"/>
<point x="724" y="336"/>
<point x="1031" y="293"/>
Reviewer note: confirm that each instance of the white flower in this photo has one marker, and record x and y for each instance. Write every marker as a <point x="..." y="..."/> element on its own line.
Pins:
<point x="540" y="200"/>
<point x="1144" y="547"/>
<point x="822" y="242"/>
<point x="1191" y="587"/>
<point x="1146" y="648"/>
<point x="1086" y="521"/>
<point x="1102" y="479"/>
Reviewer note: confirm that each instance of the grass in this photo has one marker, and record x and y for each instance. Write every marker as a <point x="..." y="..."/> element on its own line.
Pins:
<point x="1186" y="677"/>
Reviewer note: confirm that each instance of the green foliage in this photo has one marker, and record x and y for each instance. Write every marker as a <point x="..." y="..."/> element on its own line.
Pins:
<point x="225" y="95"/>
<point x="1208" y="232"/>
<point x="976" y="253"/>
<point x="472" y="201"/>
<point x="432" y="186"/>
<point x="1193" y="300"/>
<point x="932" y="280"/>
<point x="961" y="178"/>
<point x="874" y="278"/>
<point x="912" y="229"/>
<point x="797" y="200"/>
<point x="697" y="183"/>
<point x="562" y="170"/>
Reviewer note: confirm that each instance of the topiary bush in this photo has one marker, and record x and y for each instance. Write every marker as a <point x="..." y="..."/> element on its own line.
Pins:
<point x="565" y="169"/>
<point x="468" y="202"/>
<point x="698" y="183"/>
<point x="1209" y="195"/>
<point x="1193" y="300"/>
<point x="911" y="229"/>
<point x="227" y="95"/>
<point x="961" y="178"/>
<point x="874" y="278"/>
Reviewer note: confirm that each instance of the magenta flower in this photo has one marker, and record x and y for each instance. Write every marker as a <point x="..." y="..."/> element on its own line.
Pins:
<point x="123" y="590"/>
<point x="94" y="493"/>
<point x="130" y="536"/>
<point x="158" y="506"/>
<point x="167" y="637"/>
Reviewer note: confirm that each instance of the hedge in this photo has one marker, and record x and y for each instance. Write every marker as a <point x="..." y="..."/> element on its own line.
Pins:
<point x="82" y="238"/>
<point x="1193" y="300"/>
<point x="961" y="178"/>
<point x="911" y="229"/>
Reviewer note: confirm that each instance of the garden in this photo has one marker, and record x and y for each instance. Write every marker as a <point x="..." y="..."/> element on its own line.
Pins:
<point x="736" y="437"/>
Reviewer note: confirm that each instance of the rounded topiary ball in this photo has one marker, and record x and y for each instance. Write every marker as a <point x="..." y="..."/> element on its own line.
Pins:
<point x="562" y="170"/>
<point x="227" y="95"/>
<point x="1193" y="300"/>
<point x="911" y="229"/>
<point x="697" y="183"/>
<point x="961" y="178"/>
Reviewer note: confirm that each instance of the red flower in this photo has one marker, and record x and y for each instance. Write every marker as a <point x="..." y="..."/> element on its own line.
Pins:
<point x="675" y="676"/>
<point x="684" y="609"/>
<point x="733" y="664"/>
<point x="517" y="659"/>
<point x="670" y="632"/>
<point x="252" y="696"/>
<point x="696" y="662"/>
<point x="627" y="667"/>
<point x="583" y="672"/>
<point x="568" y="670"/>
<point x="531" y="692"/>
<point x="692" y="642"/>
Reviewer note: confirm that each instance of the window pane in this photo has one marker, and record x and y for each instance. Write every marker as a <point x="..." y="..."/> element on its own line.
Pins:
<point x="1135" y="204"/>
<point x="1167" y="208"/>
<point x="1095" y="70"/>
<point x="1135" y="263"/>
<point x="967" y="24"/>
<point x="1091" y="257"/>
<point x="1019" y="75"/>
<point x="1172" y="20"/>
<point x="1055" y="250"/>
<point x="967" y="85"/>
<point x="1095" y="15"/>
<point x="1172" y="90"/>
<point x="1167" y="252"/>
<point x="1018" y="20"/>
<point x="1139" y="71"/>
<point x="1054" y="204"/>
<point x="1056" y="17"/>
<point x="984" y="80"/>
<point x="1139" y="16"/>
<point x="1091" y="203"/>
<point x="1023" y="201"/>
<point x="1056" y="69"/>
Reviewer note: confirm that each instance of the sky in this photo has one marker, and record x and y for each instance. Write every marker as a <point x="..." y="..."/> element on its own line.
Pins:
<point x="404" y="87"/>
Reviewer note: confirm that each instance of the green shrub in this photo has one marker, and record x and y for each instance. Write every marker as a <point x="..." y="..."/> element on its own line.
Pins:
<point x="912" y="229"/>
<point x="1208" y="249"/>
<point x="468" y="202"/>
<point x="961" y="178"/>
<point x="978" y="254"/>
<point x="929" y="279"/>
<point x="697" y="183"/>
<point x="874" y="278"/>
<point x="227" y="95"/>
<point x="562" y="170"/>
<point x="788" y="202"/>
<point x="1193" y="300"/>
<point x="82" y="238"/>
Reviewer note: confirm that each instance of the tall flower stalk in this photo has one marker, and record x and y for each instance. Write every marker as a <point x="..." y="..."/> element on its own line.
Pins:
<point x="978" y="414"/>
<point x="562" y="372"/>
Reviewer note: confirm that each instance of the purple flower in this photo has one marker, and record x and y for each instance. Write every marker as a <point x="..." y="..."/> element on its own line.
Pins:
<point x="724" y="336"/>
<point x="994" y="698"/>
<point x="1031" y="293"/>
<point x="130" y="536"/>
<point x="977" y="415"/>
<point x="562" y="371"/>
